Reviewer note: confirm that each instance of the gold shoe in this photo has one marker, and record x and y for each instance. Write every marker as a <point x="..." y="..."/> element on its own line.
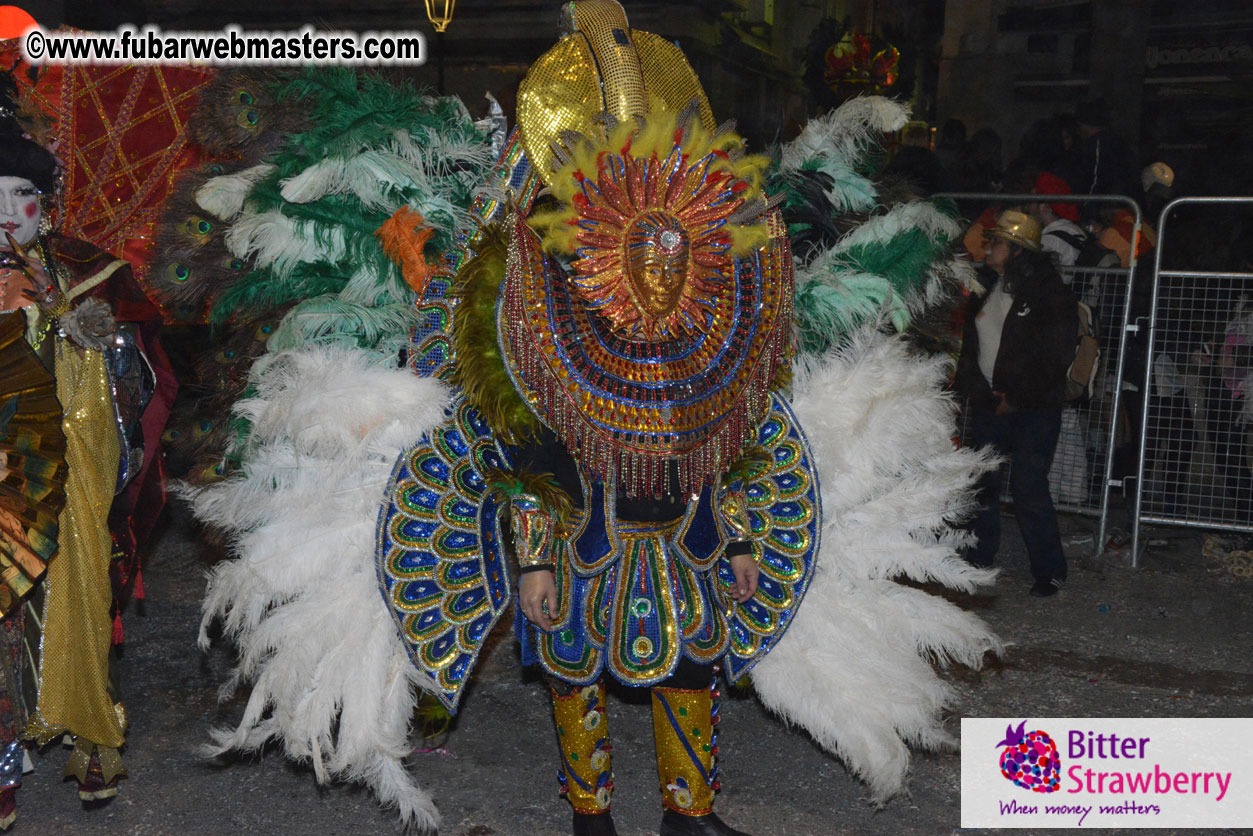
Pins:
<point x="97" y="769"/>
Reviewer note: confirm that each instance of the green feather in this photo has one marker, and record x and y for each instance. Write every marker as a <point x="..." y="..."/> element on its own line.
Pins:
<point x="824" y="314"/>
<point x="480" y="369"/>
<point x="904" y="259"/>
<point x="329" y="319"/>
<point x="356" y="297"/>
<point x="263" y="291"/>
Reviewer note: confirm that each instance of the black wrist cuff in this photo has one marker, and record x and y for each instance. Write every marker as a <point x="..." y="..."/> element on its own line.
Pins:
<point x="538" y="567"/>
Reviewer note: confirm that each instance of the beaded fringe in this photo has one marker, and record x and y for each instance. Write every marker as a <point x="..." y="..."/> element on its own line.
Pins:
<point x="636" y="470"/>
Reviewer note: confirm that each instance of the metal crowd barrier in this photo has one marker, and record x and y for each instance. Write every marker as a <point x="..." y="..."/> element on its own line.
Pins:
<point x="1194" y="465"/>
<point x="1082" y="475"/>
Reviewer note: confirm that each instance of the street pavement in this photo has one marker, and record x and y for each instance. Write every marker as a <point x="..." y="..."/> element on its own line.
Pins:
<point x="1170" y="639"/>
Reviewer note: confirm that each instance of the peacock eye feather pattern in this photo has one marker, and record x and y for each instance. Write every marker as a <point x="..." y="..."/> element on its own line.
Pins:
<point x="240" y="116"/>
<point x="192" y="262"/>
<point x="201" y="428"/>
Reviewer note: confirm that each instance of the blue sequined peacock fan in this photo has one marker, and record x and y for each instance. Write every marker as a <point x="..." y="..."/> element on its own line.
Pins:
<point x="443" y="573"/>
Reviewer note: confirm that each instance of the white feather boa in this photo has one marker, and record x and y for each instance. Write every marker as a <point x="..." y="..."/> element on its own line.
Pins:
<point x="854" y="668"/>
<point x="329" y="675"/>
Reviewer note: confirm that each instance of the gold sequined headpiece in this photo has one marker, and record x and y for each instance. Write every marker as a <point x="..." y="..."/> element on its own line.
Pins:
<point x="603" y="66"/>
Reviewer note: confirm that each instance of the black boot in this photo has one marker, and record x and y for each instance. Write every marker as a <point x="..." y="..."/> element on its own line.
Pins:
<point x="677" y="824"/>
<point x="598" y="824"/>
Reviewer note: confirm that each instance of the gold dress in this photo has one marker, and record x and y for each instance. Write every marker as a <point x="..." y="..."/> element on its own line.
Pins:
<point x="72" y="682"/>
<point x="77" y="629"/>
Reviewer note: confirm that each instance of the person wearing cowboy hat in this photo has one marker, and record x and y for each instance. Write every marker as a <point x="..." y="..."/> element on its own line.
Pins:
<point x="1018" y="342"/>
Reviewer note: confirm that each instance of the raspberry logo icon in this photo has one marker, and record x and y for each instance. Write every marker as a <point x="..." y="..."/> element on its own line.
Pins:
<point x="1030" y="759"/>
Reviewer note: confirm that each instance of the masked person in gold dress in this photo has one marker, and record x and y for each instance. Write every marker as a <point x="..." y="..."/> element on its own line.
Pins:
<point x="68" y="300"/>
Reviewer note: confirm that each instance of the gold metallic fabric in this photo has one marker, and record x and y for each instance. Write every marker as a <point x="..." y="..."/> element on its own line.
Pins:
<point x="532" y="531"/>
<point x="683" y="728"/>
<point x="592" y="71"/>
<point x="668" y="76"/>
<point x="560" y="93"/>
<point x="583" y="741"/>
<point x="79" y="764"/>
<point x="735" y="515"/>
<point x="32" y="464"/>
<point x="74" y="663"/>
<point x="603" y="24"/>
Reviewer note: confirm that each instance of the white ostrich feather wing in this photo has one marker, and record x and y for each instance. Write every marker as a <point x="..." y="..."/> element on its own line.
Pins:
<point x="855" y="666"/>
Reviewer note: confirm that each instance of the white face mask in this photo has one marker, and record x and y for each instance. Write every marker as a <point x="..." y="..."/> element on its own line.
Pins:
<point x="19" y="210"/>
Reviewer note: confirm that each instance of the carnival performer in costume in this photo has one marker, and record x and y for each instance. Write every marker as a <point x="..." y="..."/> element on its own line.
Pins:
<point x="650" y="364"/>
<point x="619" y="322"/>
<point x="75" y="300"/>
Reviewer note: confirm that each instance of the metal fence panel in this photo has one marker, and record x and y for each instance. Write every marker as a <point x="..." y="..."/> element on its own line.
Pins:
<point x="1194" y="462"/>
<point x="1195" y="450"/>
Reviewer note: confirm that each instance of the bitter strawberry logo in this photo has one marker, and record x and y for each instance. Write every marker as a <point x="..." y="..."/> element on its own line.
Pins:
<point x="1030" y="759"/>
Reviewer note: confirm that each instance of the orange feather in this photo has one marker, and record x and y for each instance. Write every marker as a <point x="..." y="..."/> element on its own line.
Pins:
<point x="404" y="236"/>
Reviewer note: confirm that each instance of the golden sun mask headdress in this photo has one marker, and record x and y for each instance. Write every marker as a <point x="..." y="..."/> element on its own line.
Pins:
<point x="654" y="212"/>
<point x="654" y="346"/>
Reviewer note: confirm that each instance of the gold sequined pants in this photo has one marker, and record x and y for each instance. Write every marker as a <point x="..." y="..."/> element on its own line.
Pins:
<point x="74" y="658"/>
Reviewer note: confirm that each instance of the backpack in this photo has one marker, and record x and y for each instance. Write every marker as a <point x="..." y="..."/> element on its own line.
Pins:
<point x="1081" y="376"/>
<point x="1091" y="253"/>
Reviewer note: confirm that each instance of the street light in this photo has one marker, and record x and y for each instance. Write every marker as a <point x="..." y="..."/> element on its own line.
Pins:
<point x="439" y="12"/>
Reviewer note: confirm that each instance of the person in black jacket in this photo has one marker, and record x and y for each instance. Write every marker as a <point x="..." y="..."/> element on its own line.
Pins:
<point x="1105" y="162"/>
<point x="1018" y="344"/>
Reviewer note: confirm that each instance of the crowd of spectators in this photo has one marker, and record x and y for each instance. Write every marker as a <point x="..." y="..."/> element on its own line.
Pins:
<point x="1196" y="439"/>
